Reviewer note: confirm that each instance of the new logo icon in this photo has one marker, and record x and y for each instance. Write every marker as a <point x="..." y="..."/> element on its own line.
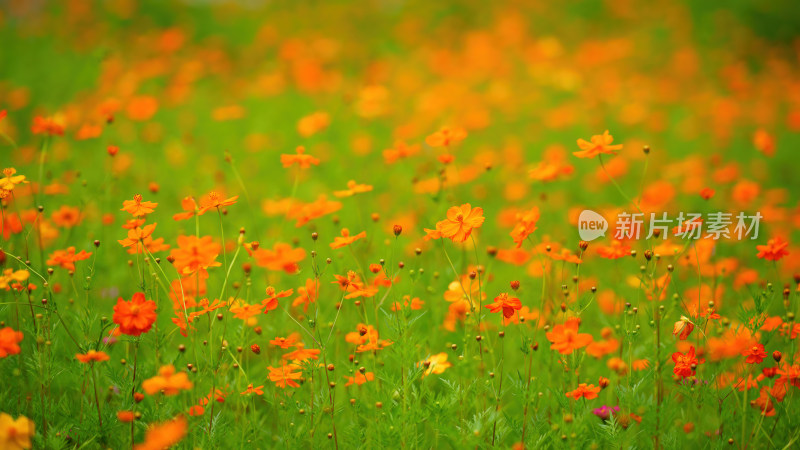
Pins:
<point x="591" y="225"/>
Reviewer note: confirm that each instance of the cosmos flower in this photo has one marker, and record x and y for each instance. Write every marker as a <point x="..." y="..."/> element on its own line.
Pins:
<point x="16" y="434"/>
<point x="775" y="249"/>
<point x="92" y="356"/>
<point x="565" y="339"/>
<point x="136" y="316"/>
<point x="138" y="207"/>
<point x="600" y="145"/>
<point x="9" y="342"/>
<point x="285" y="375"/>
<point x="604" y="412"/>
<point x="460" y="222"/>
<point x="508" y="305"/>
<point x="435" y="364"/>
<point x="168" y="381"/>
<point x="585" y="391"/>
<point x="686" y="364"/>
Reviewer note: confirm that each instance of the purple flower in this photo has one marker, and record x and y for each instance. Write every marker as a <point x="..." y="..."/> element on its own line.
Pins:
<point x="604" y="411"/>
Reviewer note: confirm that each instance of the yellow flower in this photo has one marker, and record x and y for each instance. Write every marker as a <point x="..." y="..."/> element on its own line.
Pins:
<point x="9" y="276"/>
<point x="10" y="181"/>
<point x="15" y="434"/>
<point x="436" y="364"/>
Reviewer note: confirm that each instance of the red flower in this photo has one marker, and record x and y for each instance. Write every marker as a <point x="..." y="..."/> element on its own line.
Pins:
<point x="9" y="342"/>
<point x="47" y="126"/>
<point x="505" y="303"/>
<point x="136" y="316"/>
<point x="754" y="354"/>
<point x="774" y="250"/>
<point x="686" y="364"/>
<point x="586" y="391"/>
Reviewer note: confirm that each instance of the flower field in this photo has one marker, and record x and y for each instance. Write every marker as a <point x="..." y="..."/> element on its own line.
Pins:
<point x="399" y="224"/>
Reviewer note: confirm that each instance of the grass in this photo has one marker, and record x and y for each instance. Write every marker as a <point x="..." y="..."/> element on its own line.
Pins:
<point x="390" y="341"/>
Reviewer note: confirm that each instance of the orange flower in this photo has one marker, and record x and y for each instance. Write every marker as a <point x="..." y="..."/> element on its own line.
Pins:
<point x="167" y="381"/>
<point x="126" y="416"/>
<point x="640" y="364"/>
<point x="399" y="151"/>
<point x="683" y="328"/>
<point x="149" y="245"/>
<point x="445" y="137"/>
<point x="353" y="188"/>
<point x="302" y="354"/>
<point x="460" y="222"/>
<point x="283" y="342"/>
<point x="189" y="207"/>
<point x="789" y="375"/>
<point x="92" y="356"/>
<point x="281" y="257"/>
<point x="9" y="342"/>
<point x="614" y="251"/>
<point x="564" y="255"/>
<point x="136" y="316"/>
<point x="586" y="391"/>
<point x="565" y="337"/>
<point x="600" y="145"/>
<point x="306" y="294"/>
<point x="314" y="210"/>
<point x="195" y="254"/>
<point x="345" y="239"/>
<point x="313" y="123"/>
<point x="164" y="435"/>
<point x="707" y="193"/>
<point x="598" y="349"/>
<point x="526" y="224"/>
<point x="373" y="343"/>
<point x="300" y="158"/>
<point x="253" y="390"/>
<point x="505" y="303"/>
<point x="432" y="234"/>
<point x="137" y="207"/>
<point x="764" y="142"/>
<point x="243" y="311"/>
<point x="285" y="375"/>
<point x="754" y="354"/>
<point x="137" y="235"/>
<point x="764" y="402"/>
<point x="66" y="258"/>
<point x="213" y="200"/>
<point x="48" y="126"/>
<point x="412" y="303"/>
<point x="142" y="108"/>
<point x="67" y="216"/>
<point x="271" y="302"/>
<point x="774" y="250"/>
<point x="359" y="378"/>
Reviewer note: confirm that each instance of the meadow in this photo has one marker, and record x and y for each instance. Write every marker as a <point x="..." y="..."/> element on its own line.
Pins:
<point x="399" y="224"/>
